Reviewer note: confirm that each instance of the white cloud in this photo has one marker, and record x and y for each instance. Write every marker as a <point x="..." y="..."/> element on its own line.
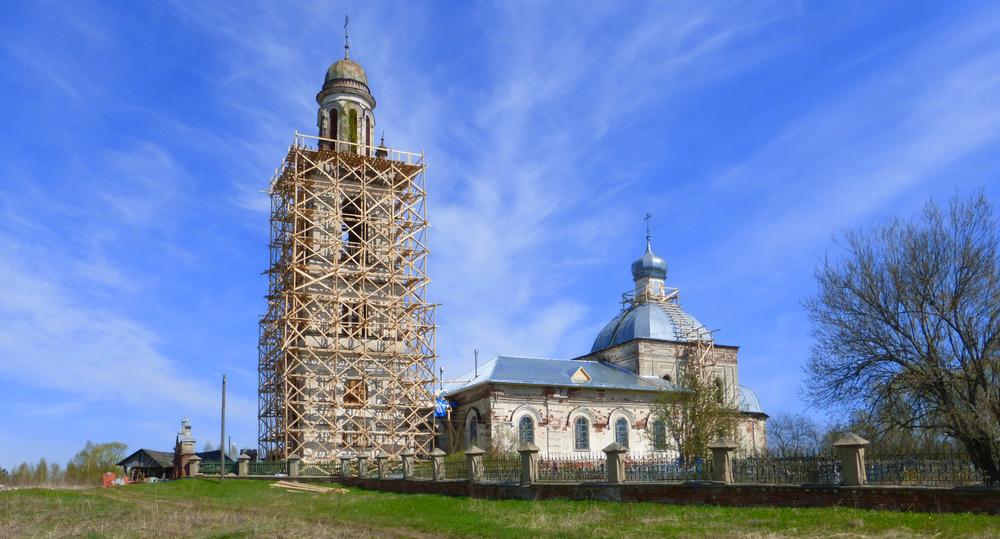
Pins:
<point x="51" y="341"/>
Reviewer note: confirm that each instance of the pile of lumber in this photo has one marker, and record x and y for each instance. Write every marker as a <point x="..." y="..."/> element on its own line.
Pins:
<point x="292" y="486"/>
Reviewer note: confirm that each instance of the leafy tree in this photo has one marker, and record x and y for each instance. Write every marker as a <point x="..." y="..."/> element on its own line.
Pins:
<point x="93" y="461"/>
<point x="696" y="417"/>
<point x="55" y="473"/>
<point x="793" y="435"/>
<point x="42" y="472"/>
<point x="907" y="328"/>
<point x="23" y="475"/>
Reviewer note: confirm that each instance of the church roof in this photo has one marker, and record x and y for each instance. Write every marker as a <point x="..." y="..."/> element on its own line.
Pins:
<point x="661" y="321"/>
<point x="148" y="458"/>
<point x="649" y="265"/>
<point x="749" y="402"/>
<point x="347" y="69"/>
<point x="558" y="373"/>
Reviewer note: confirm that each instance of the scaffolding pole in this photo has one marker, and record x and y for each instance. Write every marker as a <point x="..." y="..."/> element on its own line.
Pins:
<point x="346" y="351"/>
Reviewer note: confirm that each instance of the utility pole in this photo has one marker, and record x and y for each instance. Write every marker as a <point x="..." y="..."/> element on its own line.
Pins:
<point x="222" y="442"/>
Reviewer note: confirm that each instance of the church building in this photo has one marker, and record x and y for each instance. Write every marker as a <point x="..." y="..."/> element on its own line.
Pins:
<point x="583" y="404"/>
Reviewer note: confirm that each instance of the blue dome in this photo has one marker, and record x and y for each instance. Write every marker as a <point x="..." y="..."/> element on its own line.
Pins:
<point x="749" y="402"/>
<point x="656" y="321"/>
<point x="649" y="265"/>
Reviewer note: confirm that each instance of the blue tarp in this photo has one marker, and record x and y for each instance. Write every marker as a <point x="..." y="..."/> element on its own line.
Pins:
<point x="441" y="408"/>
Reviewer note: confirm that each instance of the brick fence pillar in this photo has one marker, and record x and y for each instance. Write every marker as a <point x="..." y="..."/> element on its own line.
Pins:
<point x="293" y="465"/>
<point x="474" y="458"/>
<point x="616" y="462"/>
<point x="722" y="460"/>
<point x="852" y="460"/>
<point x="194" y="461"/>
<point x="437" y="462"/>
<point x="362" y="465"/>
<point x="529" y="463"/>
<point x="243" y="465"/>
<point x="407" y="456"/>
<point x="380" y="460"/>
<point x="345" y="464"/>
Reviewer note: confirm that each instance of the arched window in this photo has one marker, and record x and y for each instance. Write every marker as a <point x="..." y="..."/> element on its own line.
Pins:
<point x="368" y="135"/>
<point x="526" y="430"/>
<point x="472" y="427"/>
<point x="581" y="432"/>
<point x="354" y="130"/>
<point x="621" y="431"/>
<point x="659" y="435"/>
<point x="333" y="124"/>
<point x="720" y="392"/>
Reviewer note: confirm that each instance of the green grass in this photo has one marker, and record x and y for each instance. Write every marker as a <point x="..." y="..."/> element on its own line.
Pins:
<point x="204" y="508"/>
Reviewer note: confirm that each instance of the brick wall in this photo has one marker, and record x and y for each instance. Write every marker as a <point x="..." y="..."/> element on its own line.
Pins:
<point x="924" y="499"/>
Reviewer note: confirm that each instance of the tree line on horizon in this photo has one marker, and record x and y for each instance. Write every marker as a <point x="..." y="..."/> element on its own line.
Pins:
<point x="86" y="468"/>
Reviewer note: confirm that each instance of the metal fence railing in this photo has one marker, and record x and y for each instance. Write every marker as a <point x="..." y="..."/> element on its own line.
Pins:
<point x="456" y="469"/>
<point x="816" y="469"/>
<point x="212" y="468"/>
<point x="393" y="469"/>
<point x="938" y="469"/>
<point x="320" y="469"/>
<point x="572" y="468"/>
<point x="267" y="468"/>
<point x="660" y="466"/>
<point x="949" y="468"/>
<point x="502" y="468"/>
<point x="423" y="469"/>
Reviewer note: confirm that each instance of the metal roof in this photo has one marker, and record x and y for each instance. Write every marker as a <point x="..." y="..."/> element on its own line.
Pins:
<point x="148" y="458"/>
<point x="749" y="402"/>
<point x="649" y="265"/>
<point x="556" y="372"/>
<point x="661" y="321"/>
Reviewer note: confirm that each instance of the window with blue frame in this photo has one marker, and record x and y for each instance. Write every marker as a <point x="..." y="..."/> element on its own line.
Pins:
<point x="526" y="430"/>
<point x="581" y="431"/>
<point x="659" y="435"/>
<point x="621" y="431"/>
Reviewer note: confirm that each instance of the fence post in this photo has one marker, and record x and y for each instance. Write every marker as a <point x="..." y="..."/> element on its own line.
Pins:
<point x="407" y="456"/>
<point x="362" y="465"/>
<point x="380" y="459"/>
<point x="293" y="465"/>
<point x="345" y="464"/>
<point x="529" y="463"/>
<point x="852" y="460"/>
<point x="615" y="454"/>
<point x="474" y="458"/>
<point x="722" y="460"/>
<point x="194" y="461"/>
<point x="243" y="465"/>
<point x="437" y="462"/>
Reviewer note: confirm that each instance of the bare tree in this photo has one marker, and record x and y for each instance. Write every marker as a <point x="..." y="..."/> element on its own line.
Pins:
<point x="696" y="417"/>
<point x="907" y="327"/>
<point x="793" y="435"/>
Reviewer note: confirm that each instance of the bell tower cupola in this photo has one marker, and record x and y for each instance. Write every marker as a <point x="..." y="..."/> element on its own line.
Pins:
<point x="345" y="119"/>
<point x="649" y="271"/>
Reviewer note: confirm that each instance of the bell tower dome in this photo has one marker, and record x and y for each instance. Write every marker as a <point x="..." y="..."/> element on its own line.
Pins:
<point x="345" y="119"/>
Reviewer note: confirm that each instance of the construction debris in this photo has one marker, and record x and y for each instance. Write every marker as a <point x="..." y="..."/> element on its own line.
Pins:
<point x="293" y="486"/>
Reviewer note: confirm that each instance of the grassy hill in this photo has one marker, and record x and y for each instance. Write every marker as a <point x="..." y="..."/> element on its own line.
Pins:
<point x="204" y="508"/>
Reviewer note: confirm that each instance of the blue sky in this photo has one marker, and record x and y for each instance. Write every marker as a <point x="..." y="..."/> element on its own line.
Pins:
<point x="137" y="136"/>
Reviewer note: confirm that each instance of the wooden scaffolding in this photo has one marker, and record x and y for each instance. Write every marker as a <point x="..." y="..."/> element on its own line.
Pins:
<point x="346" y="355"/>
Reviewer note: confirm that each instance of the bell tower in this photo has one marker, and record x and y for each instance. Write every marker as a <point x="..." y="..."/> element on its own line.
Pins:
<point x="345" y="107"/>
<point x="346" y="352"/>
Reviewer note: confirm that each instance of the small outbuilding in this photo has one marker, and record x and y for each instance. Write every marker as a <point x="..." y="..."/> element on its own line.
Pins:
<point x="146" y="463"/>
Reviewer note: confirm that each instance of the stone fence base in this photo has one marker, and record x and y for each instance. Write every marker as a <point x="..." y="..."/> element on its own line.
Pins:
<point x="923" y="499"/>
